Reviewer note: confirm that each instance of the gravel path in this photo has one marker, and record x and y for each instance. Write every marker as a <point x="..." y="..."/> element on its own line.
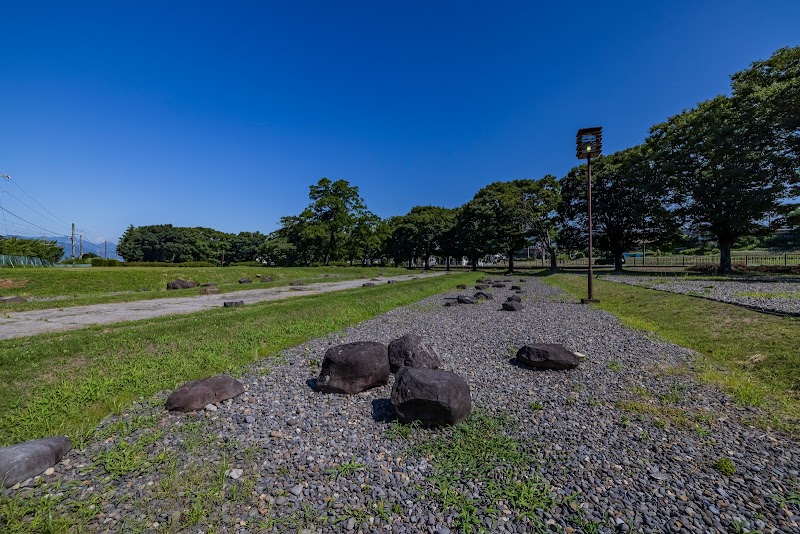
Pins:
<point x="31" y="323"/>
<point x="774" y="296"/>
<point x="626" y="442"/>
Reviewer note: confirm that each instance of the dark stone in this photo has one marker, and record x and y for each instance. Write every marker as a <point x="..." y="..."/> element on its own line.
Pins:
<point x="232" y="303"/>
<point x="354" y="367"/>
<point x="483" y="295"/>
<point x="209" y="290"/>
<point x="461" y="286"/>
<point x="12" y="300"/>
<point x="208" y="284"/>
<point x="498" y="284"/>
<point x="448" y="304"/>
<point x="514" y="298"/>
<point x="464" y="299"/>
<point x="547" y="356"/>
<point x="267" y="279"/>
<point x="512" y="306"/>
<point x="180" y="283"/>
<point x="296" y="284"/>
<point x="411" y="351"/>
<point x="481" y="286"/>
<point x="26" y="460"/>
<point x="245" y="281"/>
<point x="519" y="291"/>
<point x="368" y="284"/>
<point x="515" y="287"/>
<point x="430" y="396"/>
<point x="375" y="279"/>
<point x="506" y="281"/>
<point x="196" y="394"/>
<point x="391" y="281"/>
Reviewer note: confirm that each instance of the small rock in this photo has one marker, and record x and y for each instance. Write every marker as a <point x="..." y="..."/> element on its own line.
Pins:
<point x="211" y="408"/>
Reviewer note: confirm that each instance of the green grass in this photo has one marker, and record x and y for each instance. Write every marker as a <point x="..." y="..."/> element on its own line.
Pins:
<point x="751" y="355"/>
<point x="65" y="383"/>
<point x="94" y="285"/>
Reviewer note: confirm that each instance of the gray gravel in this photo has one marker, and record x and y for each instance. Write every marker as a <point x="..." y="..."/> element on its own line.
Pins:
<point x="774" y="295"/>
<point x="629" y="435"/>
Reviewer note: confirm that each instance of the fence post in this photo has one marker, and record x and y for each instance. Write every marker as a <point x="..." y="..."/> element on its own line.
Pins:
<point x="745" y="260"/>
<point x="784" y="260"/>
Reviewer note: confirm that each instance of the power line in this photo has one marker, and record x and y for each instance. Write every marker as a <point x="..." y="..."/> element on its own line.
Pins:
<point x="36" y="201"/>
<point x="27" y="221"/>
<point x="27" y="206"/>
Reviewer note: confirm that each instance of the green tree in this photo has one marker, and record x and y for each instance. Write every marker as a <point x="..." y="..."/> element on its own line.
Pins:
<point x="729" y="181"/>
<point x="334" y="208"/>
<point x="35" y="248"/>
<point x="541" y="201"/>
<point x="630" y="204"/>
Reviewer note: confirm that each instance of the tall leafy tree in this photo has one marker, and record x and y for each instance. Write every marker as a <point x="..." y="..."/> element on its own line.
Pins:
<point x="34" y="248"/>
<point x="333" y="210"/>
<point x="506" y="227"/>
<point x="729" y="180"/>
<point x="541" y="201"/>
<point x="473" y="230"/>
<point x="630" y="204"/>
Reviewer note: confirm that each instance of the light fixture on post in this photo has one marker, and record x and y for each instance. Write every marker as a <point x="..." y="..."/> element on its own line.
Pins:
<point x="589" y="144"/>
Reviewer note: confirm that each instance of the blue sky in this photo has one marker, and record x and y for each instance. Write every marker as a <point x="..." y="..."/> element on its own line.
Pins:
<point x="221" y="114"/>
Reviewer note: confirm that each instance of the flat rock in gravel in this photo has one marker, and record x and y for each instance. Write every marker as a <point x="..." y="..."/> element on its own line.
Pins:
<point x="464" y="299"/>
<point x="354" y="367"/>
<point x="25" y="460"/>
<point x="514" y="298"/>
<point x="481" y="287"/>
<point x="232" y="303"/>
<point x="180" y="283"/>
<point x="368" y="284"/>
<point x="411" y="351"/>
<point x="547" y="356"/>
<point x="430" y="396"/>
<point x="512" y="306"/>
<point x="197" y="394"/>
<point x="11" y="300"/>
<point x="483" y="295"/>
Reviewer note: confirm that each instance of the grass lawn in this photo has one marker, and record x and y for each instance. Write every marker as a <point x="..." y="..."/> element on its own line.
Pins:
<point x="94" y="285"/>
<point x="65" y="383"/>
<point x="753" y="356"/>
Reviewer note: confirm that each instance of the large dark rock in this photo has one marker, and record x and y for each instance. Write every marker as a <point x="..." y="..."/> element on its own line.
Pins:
<point x="232" y="303"/>
<point x="411" y="351"/>
<point x="354" y="367"/>
<point x="461" y="286"/>
<point x="481" y="287"/>
<point x="516" y="287"/>
<point x="25" y="460"/>
<point x="498" y="284"/>
<point x="464" y="299"/>
<point x="245" y="281"/>
<point x="197" y="394"/>
<point x="483" y="295"/>
<point x="430" y="396"/>
<point x="180" y="283"/>
<point x="547" y="356"/>
<point x="514" y="298"/>
<point x="512" y="306"/>
<point x="391" y="281"/>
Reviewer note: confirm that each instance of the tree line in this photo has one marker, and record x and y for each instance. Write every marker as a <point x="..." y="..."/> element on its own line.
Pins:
<point x="727" y="168"/>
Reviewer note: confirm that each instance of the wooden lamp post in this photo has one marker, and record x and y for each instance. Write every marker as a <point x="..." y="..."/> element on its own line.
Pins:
<point x="589" y="144"/>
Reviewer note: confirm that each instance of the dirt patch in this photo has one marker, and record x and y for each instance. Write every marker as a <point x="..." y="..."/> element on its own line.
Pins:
<point x="13" y="283"/>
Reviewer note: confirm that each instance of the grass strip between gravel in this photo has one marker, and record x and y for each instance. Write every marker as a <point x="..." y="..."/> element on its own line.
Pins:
<point x="65" y="383"/>
<point x="753" y="356"/>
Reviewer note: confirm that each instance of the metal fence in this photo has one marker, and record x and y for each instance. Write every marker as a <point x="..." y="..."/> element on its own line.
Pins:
<point x="752" y="260"/>
<point x="22" y="261"/>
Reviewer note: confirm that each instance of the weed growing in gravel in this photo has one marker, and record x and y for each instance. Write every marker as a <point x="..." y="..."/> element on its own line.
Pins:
<point x="498" y="468"/>
<point x="398" y="430"/>
<point x="536" y="405"/>
<point x="725" y="466"/>
<point x="614" y="365"/>
<point x="784" y="501"/>
<point x="346" y="469"/>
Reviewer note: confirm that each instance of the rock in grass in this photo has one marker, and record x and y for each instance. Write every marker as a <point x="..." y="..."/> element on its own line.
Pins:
<point x="411" y="351"/>
<point x="208" y="284"/>
<point x="232" y="303"/>
<point x="391" y="281"/>
<point x="461" y="286"/>
<point x="198" y="394"/>
<point x="354" y="367"/>
<point x="12" y="300"/>
<point x="245" y="281"/>
<point x="547" y="356"/>
<point x="267" y="279"/>
<point x="209" y="290"/>
<point x="512" y="306"/>
<point x="430" y="396"/>
<point x="25" y="460"/>
<point x="368" y="284"/>
<point x="180" y="283"/>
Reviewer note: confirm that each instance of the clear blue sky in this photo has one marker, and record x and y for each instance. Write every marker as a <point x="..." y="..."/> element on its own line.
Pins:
<point x="221" y="114"/>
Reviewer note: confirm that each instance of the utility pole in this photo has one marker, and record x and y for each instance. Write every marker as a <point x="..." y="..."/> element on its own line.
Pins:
<point x="72" y="253"/>
<point x="80" y="247"/>
<point x="105" y="250"/>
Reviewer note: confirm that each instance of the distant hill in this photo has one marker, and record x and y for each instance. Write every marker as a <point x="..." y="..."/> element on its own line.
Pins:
<point x="88" y="246"/>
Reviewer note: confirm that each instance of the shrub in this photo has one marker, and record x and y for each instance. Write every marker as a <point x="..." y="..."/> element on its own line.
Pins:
<point x="246" y="264"/>
<point x="166" y="264"/>
<point x="99" y="262"/>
